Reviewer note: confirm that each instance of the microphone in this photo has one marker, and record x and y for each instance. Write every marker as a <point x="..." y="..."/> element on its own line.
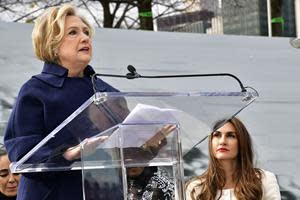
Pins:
<point x="131" y="69"/>
<point x="132" y="72"/>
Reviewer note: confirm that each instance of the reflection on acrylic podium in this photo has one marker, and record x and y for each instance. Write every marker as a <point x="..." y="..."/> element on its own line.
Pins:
<point x="146" y="134"/>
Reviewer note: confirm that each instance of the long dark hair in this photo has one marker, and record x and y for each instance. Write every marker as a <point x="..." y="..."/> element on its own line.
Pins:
<point x="248" y="185"/>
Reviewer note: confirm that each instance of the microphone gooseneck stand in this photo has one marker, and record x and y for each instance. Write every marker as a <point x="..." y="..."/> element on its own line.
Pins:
<point x="133" y="75"/>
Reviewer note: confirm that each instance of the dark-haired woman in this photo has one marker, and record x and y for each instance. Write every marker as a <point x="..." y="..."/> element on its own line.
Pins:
<point x="231" y="174"/>
<point x="8" y="182"/>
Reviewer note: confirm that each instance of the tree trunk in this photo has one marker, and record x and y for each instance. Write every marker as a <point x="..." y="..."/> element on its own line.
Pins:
<point x="145" y="14"/>
<point x="107" y="16"/>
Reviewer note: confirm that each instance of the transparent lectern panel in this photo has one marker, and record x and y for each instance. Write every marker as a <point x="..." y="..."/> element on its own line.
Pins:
<point x="60" y="150"/>
<point x="145" y="159"/>
<point x="195" y="113"/>
<point x="150" y="144"/>
<point x="152" y="159"/>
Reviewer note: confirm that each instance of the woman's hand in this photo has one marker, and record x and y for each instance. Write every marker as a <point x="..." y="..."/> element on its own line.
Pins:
<point x="89" y="146"/>
<point x="158" y="139"/>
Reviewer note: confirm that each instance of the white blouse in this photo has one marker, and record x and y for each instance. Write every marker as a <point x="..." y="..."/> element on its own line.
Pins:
<point x="270" y="189"/>
<point x="227" y="194"/>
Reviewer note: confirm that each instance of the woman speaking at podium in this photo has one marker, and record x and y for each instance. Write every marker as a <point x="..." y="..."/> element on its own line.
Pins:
<point x="62" y="39"/>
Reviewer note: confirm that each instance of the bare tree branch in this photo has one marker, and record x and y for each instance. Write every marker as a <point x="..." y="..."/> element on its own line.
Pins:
<point x="42" y="8"/>
<point x="134" y="21"/>
<point x="116" y="9"/>
<point x="173" y="5"/>
<point x="91" y="13"/>
<point x="164" y="13"/>
<point x="121" y="19"/>
<point x="4" y="7"/>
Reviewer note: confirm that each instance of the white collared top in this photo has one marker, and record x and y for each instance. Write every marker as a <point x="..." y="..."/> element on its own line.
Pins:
<point x="270" y="189"/>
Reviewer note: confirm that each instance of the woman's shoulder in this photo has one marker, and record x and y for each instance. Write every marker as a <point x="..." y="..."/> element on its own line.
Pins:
<point x="267" y="176"/>
<point x="32" y="83"/>
<point x="194" y="184"/>
<point x="193" y="187"/>
<point x="270" y="186"/>
<point x="30" y="89"/>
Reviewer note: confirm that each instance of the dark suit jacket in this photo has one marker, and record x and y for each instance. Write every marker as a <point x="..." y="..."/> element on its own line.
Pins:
<point x="42" y="104"/>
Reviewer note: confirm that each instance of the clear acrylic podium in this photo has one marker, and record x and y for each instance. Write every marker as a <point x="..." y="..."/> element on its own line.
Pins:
<point x="142" y="131"/>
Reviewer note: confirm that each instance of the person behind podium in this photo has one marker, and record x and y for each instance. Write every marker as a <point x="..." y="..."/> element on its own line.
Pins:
<point x="8" y="182"/>
<point x="62" y="39"/>
<point x="151" y="183"/>
<point x="231" y="174"/>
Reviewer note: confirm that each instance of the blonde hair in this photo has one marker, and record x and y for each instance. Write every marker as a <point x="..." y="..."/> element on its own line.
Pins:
<point x="49" y="30"/>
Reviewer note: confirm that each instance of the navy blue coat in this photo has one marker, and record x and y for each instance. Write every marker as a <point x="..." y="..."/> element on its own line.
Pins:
<point x="42" y="104"/>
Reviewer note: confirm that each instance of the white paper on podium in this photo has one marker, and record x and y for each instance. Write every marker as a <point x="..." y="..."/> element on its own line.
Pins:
<point x="134" y="133"/>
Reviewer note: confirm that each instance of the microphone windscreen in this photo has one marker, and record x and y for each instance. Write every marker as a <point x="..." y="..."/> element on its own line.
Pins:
<point x="131" y="69"/>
